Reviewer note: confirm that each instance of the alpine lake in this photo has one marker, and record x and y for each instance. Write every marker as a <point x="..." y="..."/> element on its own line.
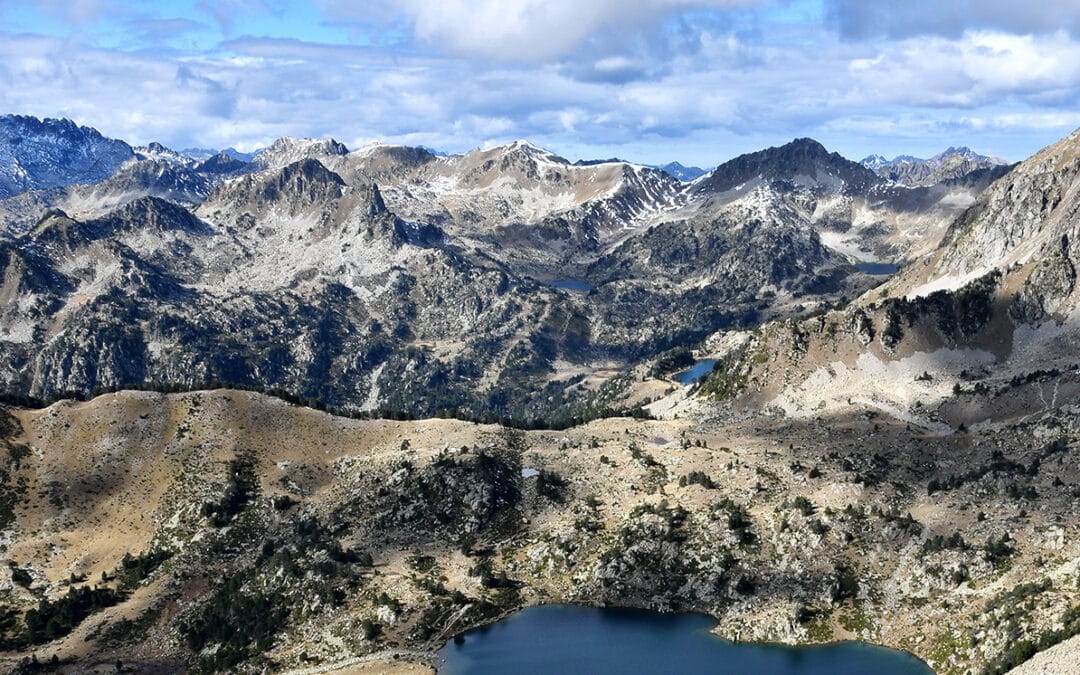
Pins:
<point x="573" y="640"/>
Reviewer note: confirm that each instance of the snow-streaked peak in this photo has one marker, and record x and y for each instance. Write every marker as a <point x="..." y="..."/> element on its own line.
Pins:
<point x="873" y="162"/>
<point x="52" y="153"/>
<point x="951" y="163"/>
<point x="287" y="150"/>
<point x="528" y="150"/>
<point x="966" y="153"/>
<point x="159" y="153"/>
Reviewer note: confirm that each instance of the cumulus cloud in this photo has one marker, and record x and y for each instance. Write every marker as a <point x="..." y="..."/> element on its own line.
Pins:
<point x="652" y="81"/>
<point x="525" y="30"/>
<point x="979" y="68"/>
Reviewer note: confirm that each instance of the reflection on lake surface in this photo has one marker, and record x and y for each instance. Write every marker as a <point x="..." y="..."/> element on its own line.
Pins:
<point x="570" y="640"/>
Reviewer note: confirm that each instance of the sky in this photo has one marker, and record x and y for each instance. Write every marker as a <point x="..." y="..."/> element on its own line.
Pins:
<point x="651" y="81"/>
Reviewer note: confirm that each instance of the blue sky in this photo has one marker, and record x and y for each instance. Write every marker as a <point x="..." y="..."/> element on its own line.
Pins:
<point x="697" y="81"/>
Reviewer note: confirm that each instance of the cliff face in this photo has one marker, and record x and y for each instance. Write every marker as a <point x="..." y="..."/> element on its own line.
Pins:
<point x="1029" y="216"/>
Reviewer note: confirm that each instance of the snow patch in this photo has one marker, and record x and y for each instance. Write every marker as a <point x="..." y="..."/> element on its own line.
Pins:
<point x="949" y="282"/>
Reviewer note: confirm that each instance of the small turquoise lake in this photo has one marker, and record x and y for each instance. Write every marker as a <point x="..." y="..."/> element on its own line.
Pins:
<point x="699" y="370"/>
<point x="571" y="640"/>
<point x="877" y="268"/>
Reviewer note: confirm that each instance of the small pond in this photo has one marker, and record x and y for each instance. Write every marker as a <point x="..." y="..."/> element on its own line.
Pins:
<point x="570" y="640"/>
<point x="699" y="370"/>
<point x="573" y="285"/>
<point x="877" y="268"/>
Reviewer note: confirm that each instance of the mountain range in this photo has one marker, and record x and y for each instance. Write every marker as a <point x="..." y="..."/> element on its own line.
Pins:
<point x="227" y="382"/>
<point x="344" y="264"/>
<point x="953" y="163"/>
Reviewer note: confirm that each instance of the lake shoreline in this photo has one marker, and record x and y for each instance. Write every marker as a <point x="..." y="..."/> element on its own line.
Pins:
<point x="440" y="663"/>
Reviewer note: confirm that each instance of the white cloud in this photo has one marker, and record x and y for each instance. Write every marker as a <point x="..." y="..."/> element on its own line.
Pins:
<point x="523" y="30"/>
<point x="711" y="91"/>
<point x="1026" y="120"/>
<point x="980" y="67"/>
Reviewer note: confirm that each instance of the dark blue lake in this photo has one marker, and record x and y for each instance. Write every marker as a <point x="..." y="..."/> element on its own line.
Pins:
<point x="877" y="268"/>
<point x="701" y="368"/>
<point x="569" y="640"/>
<point x="573" y="285"/>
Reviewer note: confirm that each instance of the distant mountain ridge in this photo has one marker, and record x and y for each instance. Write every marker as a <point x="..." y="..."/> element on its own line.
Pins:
<point x="386" y="238"/>
<point x="683" y="173"/>
<point x="53" y="153"/>
<point x="952" y="163"/>
<point x="79" y="171"/>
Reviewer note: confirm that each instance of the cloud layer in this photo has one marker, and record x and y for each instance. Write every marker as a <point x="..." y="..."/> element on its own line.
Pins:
<point x="652" y="80"/>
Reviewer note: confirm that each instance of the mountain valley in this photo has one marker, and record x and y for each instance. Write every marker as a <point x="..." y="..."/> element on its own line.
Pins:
<point x="323" y="409"/>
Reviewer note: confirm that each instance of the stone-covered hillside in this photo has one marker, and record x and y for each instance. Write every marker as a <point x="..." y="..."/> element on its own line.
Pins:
<point x="224" y="530"/>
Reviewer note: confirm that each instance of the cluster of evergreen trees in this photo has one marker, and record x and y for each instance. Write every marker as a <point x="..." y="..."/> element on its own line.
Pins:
<point x="56" y="618"/>
<point x="558" y="420"/>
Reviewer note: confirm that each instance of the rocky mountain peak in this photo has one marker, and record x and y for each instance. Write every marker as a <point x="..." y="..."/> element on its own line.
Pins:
<point x="295" y="187"/>
<point x="54" y="153"/>
<point x="287" y="150"/>
<point x="803" y="161"/>
<point x="242" y="156"/>
<point x="805" y="144"/>
<point x="308" y="173"/>
<point x="157" y="152"/>
<point x="683" y="173"/>
<point x="872" y="162"/>
<point x="223" y="164"/>
<point x="154" y="213"/>
<point x="519" y="161"/>
<point x="529" y="148"/>
<point x="962" y="151"/>
<point x="392" y="162"/>
<point x="177" y="182"/>
<point x="950" y="164"/>
<point x="521" y="151"/>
